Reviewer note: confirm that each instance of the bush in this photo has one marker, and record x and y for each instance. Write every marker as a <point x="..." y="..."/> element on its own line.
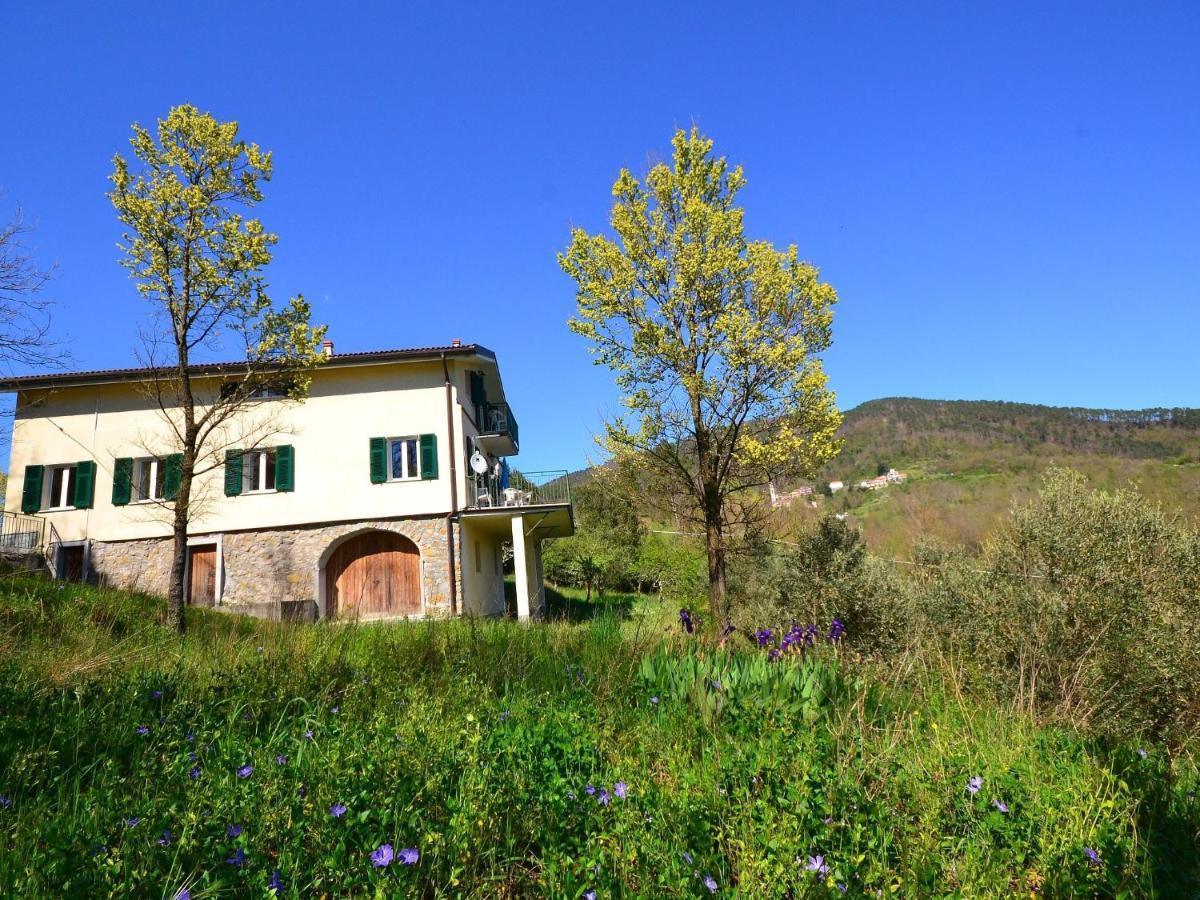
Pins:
<point x="1083" y="604"/>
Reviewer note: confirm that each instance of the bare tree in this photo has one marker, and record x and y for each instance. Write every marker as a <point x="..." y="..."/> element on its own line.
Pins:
<point x="24" y="312"/>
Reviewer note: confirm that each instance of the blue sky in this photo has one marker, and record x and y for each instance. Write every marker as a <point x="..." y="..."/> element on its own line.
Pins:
<point x="1006" y="198"/>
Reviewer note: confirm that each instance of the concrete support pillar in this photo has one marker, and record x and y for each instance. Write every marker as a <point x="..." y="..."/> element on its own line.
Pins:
<point x="520" y="566"/>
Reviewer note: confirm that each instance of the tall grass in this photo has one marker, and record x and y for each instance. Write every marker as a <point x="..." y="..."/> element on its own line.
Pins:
<point x="495" y="749"/>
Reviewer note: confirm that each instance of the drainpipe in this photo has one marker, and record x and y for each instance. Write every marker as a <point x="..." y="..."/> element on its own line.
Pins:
<point x="453" y="489"/>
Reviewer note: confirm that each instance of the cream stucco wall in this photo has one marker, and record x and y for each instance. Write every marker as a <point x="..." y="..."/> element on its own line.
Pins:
<point x="330" y="432"/>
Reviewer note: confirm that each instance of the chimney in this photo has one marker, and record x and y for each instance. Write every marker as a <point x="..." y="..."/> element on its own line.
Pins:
<point x="456" y="343"/>
<point x="327" y="348"/>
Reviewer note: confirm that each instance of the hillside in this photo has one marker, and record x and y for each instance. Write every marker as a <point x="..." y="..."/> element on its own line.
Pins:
<point x="967" y="461"/>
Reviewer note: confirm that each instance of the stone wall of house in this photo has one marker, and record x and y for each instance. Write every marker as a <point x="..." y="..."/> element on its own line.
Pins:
<point x="275" y="573"/>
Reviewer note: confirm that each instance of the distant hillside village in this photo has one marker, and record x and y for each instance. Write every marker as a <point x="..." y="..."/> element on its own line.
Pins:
<point x="780" y="500"/>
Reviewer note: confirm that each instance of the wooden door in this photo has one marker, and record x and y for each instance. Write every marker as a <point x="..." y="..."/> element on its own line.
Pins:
<point x="202" y="585"/>
<point x="374" y="574"/>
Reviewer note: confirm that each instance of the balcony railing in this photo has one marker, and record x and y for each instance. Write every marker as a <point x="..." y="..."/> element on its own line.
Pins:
<point x="21" y="533"/>
<point x="524" y="489"/>
<point x="497" y="418"/>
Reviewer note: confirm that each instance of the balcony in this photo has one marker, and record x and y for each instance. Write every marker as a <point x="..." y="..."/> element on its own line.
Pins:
<point x="543" y="497"/>
<point x="497" y="429"/>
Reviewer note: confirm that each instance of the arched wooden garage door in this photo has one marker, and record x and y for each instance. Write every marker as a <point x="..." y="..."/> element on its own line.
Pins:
<point x="377" y="573"/>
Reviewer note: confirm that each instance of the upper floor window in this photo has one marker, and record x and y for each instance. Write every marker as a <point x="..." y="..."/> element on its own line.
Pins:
<point x="402" y="454"/>
<point x="58" y="491"/>
<point x="258" y="471"/>
<point x="148" y="478"/>
<point x="268" y="391"/>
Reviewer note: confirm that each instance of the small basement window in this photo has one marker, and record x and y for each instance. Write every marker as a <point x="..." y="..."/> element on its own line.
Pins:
<point x="258" y="471"/>
<point x="58" y="491"/>
<point x="402" y="459"/>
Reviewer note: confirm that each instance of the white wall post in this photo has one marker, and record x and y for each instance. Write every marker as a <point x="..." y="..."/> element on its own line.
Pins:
<point x="520" y="566"/>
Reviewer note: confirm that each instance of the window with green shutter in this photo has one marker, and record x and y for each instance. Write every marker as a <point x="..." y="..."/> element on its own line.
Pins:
<point x="85" y="485"/>
<point x="172" y="475"/>
<point x="429" y="460"/>
<point x="285" y="468"/>
<point x="233" y="473"/>
<point x="379" y="462"/>
<point x="31" y="493"/>
<point x="122" y="491"/>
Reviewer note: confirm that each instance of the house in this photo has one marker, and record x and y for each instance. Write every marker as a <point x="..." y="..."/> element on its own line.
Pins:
<point x="778" y="500"/>
<point x="835" y="486"/>
<point x="385" y="494"/>
<point x="882" y="481"/>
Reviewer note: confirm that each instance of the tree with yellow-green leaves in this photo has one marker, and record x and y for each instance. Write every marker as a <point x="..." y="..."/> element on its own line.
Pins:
<point x="199" y="260"/>
<point x="715" y="343"/>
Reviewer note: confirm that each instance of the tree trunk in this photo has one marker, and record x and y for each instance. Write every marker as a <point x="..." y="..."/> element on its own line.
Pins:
<point x="177" y="591"/>
<point x="714" y="545"/>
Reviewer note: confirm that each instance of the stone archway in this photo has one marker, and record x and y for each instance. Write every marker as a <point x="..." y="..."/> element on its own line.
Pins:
<point x="372" y="574"/>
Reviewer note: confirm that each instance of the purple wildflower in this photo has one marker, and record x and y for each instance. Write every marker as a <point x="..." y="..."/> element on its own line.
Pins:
<point x="281" y="760"/>
<point x="247" y="716"/>
<point x="335" y="709"/>
<point x="571" y="796"/>
<point x="165" y="840"/>
<point x="132" y="822"/>
<point x="238" y="859"/>
<point x="603" y="797"/>
<point x="817" y="864"/>
<point x="233" y="830"/>
<point x="276" y="882"/>
<point x="245" y="771"/>
<point x="156" y="695"/>
<point x="192" y="757"/>
<point x="687" y="857"/>
<point x="728" y="629"/>
<point x="974" y="783"/>
<point x="716" y="685"/>
<point x="1000" y="805"/>
<point x="5" y="802"/>
<point x="337" y="810"/>
<point x="409" y="856"/>
<point x="654" y="701"/>
<point x="1142" y="753"/>
<point x="685" y="619"/>
<point x="620" y="789"/>
<point x="194" y="773"/>
<point x="763" y="636"/>
<point x="183" y="894"/>
<point x="836" y="630"/>
<point x="308" y="734"/>
<point x="382" y="856"/>
<point x="710" y="883"/>
<point x="191" y="737"/>
<point x="589" y="790"/>
<point x="1092" y="856"/>
<point x="828" y="820"/>
<point x="142" y="729"/>
<point x="589" y="895"/>
<point x="774" y="654"/>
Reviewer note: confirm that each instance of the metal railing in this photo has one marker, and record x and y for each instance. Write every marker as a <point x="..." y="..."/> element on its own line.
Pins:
<point x="524" y="489"/>
<point x="497" y="418"/>
<point x="20" y="533"/>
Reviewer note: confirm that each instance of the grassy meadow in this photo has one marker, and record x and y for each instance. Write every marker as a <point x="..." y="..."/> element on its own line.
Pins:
<point x="607" y="754"/>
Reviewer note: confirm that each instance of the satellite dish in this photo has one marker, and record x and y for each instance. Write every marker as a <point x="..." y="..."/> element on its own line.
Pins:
<point x="479" y="463"/>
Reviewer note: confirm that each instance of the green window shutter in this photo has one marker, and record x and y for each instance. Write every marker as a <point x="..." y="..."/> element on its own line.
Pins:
<point x="478" y="391"/>
<point x="285" y="468"/>
<point x="122" y="481"/>
<point x="233" y="473"/>
<point x="85" y="484"/>
<point x="379" y="460"/>
<point x="172" y="475"/>
<point x="429" y="460"/>
<point x="31" y="496"/>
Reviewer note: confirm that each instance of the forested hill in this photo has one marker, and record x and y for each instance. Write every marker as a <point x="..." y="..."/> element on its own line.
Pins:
<point x="968" y="461"/>
<point x="905" y="429"/>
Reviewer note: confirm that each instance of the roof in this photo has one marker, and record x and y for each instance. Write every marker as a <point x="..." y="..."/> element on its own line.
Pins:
<point x="368" y="357"/>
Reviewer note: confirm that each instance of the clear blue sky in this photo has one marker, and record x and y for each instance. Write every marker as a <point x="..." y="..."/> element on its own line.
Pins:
<point x="1007" y="199"/>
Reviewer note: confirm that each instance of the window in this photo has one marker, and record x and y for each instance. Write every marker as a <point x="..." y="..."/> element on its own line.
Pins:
<point x="59" y="490"/>
<point x="271" y="391"/>
<point x="258" y="471"/>
<point x="402" y="457"/>
<point x="148" y="478"/>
